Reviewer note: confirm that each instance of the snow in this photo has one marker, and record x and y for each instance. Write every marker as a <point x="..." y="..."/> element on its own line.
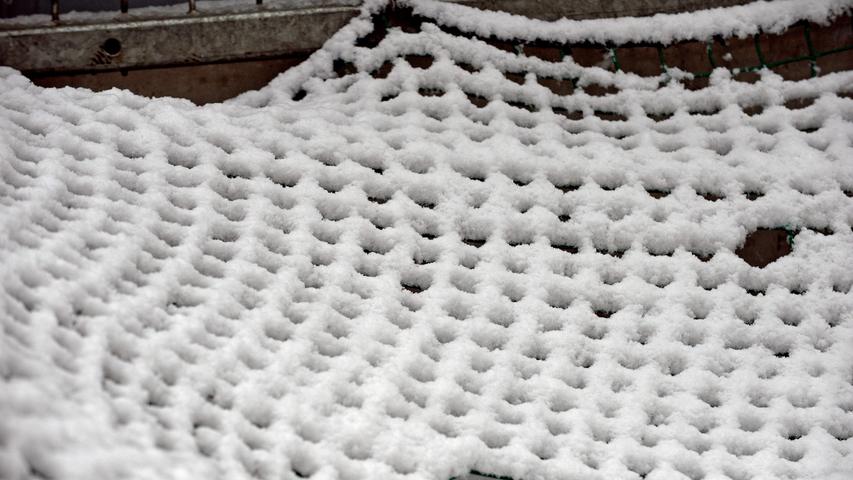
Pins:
<point x="739" y="21"/>
<point x="377" y="282"/>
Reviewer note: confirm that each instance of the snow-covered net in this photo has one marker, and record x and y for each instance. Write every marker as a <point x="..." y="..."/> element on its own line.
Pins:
<point x="422" y="253"/>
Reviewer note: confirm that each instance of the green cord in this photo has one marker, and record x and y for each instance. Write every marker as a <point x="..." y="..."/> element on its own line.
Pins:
<point x="790" y="234"/>
<point x="755" y="40"/>
<point x="661" y="59"/>
<point x="709" y="49"/>
<point x="813" y="63"/>
<point x="614" y="58"/>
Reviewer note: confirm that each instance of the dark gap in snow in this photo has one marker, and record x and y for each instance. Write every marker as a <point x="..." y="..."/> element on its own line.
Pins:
<point x="430" y="92"/>
<point x="419" y="61"/>
<point x="515" y="77"/>
<point x="343" y="68"/>
<point x="383" y="71"/>
<point x="798" y="103"/>
<point x="571" y="115"/>
<point x="372" y="39"/>
<point x="821" y="230"/>
<point x="474" y="242"/>
<point x="597" y="90"/>
<point x="548" y="51"/>
<point x="764" y="246"/>
<point x="660" y="117"/>
<point x="477" y="100"/>
<point x="711" y="197"/>
<point x="753" y="194"/>
<point x="609" y="116"/>
<point x="753" y="110"/>
<point x="613" y="253"/>
<point x="521" y="104"/>
<point x="558" y="86"/>
<point x="505" y="45"/>
<point x="565" y="247"/>
<point x="404" y="18"/>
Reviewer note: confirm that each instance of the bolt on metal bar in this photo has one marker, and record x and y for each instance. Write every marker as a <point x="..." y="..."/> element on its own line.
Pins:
<point x="124" y="6"/>
<point x="54" y="10"/>
<point x="192" y="6"/>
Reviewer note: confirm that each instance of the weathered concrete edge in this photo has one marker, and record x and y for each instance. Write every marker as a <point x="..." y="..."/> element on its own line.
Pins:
<point x="190" y="39"/>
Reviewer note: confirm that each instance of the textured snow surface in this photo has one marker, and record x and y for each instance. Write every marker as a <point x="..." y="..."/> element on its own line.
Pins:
<point x="384" y="280"/>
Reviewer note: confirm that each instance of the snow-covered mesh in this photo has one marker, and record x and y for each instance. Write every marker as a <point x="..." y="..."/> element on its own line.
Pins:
<point x="443" y="256"/>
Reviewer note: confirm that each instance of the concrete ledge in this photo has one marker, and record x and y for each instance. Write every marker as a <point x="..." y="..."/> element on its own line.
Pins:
<point x="189" y="39"/>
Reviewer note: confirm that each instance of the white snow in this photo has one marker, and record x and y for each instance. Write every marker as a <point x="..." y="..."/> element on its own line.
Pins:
<point x="378" y="283"/>
<point x="768" y="16"/>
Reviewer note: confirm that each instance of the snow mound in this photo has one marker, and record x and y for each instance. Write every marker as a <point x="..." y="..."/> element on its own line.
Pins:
<point x="435" y="261"/>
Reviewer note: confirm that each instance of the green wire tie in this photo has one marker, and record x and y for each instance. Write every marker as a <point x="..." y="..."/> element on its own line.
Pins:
<point x="813" y="56"/>
<point x="790" y="234"/>
<point x="614" y="58"/>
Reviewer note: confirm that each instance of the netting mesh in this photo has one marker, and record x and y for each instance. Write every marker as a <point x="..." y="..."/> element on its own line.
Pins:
<point x="424" y="253"/>
<point x="804" y="50"/>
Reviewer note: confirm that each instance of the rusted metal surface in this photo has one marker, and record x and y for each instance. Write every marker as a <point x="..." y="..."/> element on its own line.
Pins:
<point x="191" y="39"/>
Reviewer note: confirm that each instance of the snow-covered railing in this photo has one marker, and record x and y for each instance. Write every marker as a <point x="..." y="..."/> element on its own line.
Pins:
<point x="234" y="30"/>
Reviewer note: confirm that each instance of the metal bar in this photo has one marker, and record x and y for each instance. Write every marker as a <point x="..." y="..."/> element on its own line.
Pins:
<point x="124" y="6"/>
<point x="54" y="10"/>
<point x="192" y="6"/>
<point x="190" y="39"/>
